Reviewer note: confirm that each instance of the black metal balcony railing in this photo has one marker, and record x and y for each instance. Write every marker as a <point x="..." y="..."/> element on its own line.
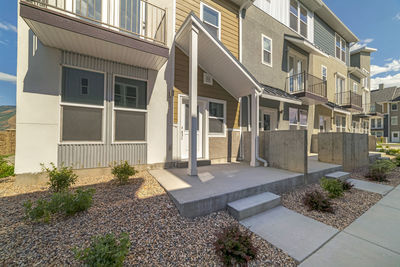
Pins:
<point x="348" y="98"/>
<point x="305" y="82"/>
<point x="138" y="18"/>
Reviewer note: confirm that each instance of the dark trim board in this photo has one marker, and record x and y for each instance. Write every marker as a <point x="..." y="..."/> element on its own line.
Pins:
<point x="311" y="96"/>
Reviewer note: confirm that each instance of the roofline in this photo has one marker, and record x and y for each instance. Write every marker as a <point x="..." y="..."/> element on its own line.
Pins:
<point x="363" y="49"/>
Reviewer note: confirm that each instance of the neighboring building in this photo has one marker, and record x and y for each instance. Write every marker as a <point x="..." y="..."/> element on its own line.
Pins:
<point x="386" y="125"/>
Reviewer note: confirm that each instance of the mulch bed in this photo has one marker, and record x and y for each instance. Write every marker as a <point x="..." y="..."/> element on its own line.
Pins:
<point x="159" y="235"/>
<point x="393" y="178"/>
<point x="346" y="208"/>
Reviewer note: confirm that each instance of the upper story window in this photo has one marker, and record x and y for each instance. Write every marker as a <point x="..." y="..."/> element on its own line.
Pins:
<point x="298" y="18"/>
<point x="379" y="122"/>
<point x="340" y="48"/>
<point x="394" y="106"/>
<point x="266" y="50"/>
<point x="355" y="87"/>
<point x="324" y="73"/>
<point x="212" y="19"/>
<point x="89" y="8"/>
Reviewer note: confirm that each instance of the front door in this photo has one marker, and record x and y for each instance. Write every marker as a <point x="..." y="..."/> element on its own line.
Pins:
<point x="185" y="128"/>
<point x="296" y="69"/>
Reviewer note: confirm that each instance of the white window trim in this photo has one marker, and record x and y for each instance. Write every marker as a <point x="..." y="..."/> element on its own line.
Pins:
<point x="223" y="134"/>
<point x="322" y="72"/>
<point x="61" y="104"/>
<point x="391" y="120"/>
<point x="136" y="97"/>
<point x="355" y="87"/>
<point x="262" y="50"/>
<point x="299" y="19"/>
<point x="340" y="48"/>
<point x="298" y="118"/>
<point x="114" y="108"/>
<point x="391" y="107"/>
<point x="219" y="17"/>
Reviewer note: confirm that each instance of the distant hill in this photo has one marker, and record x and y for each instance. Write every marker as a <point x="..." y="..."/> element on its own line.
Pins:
<point x="7" y="117"/>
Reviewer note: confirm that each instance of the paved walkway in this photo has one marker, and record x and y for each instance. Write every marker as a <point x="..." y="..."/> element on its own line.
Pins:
<point x="370" y="186"/>
<point x="371" y="240"/>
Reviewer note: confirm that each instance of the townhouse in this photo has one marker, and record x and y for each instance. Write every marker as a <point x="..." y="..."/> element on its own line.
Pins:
<point x="163" y="82"/>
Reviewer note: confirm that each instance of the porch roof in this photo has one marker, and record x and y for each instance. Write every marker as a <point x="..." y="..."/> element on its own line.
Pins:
<point x="271" y="91"/>
<point x="336" y="108"/>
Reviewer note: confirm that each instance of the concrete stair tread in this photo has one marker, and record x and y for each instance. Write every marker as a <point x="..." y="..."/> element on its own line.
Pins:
<point x="249" y="206"/>
<point x="371" y="186"/>
<point x="338" y="175"/>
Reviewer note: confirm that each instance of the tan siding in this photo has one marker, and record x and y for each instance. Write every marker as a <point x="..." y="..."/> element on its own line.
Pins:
<point x="215" y="91"/>
<point x="229" y="19"/>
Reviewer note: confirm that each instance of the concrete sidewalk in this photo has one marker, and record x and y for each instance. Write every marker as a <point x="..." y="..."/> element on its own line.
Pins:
<point x="371" y="240"/>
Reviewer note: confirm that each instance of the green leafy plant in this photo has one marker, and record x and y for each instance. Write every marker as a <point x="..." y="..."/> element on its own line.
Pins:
<point x="397" y="160"/>
<point x="347" y="185"/>
<point x="334" y="187"/>
<point x="379" y="169"/>
<point x="122" y="172"/>
<point x="65" y="203"/>
<point x="60" y="179"/>
<point x="105" y="251"/>
<point x="6" y="169"/>
<point x="392" y="151"/>
<point x="234" y="247"/>
<point x="315" y="200"/>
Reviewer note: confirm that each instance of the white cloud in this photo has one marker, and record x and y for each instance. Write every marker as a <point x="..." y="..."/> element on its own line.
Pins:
<point x="389" y="80"/>
<point x="397" y="17"/>
<point x="389" y="59"/>
<point x="361" y="43"/>
<point x="7" y="26"/>
<point x="394" y="65"/>
<point x="7" y="77"/>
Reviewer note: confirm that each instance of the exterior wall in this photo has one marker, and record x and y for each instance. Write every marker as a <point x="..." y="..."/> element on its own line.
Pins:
<point x="7" y="142"/>
<point x="225" y="149"/>
<point x="393" y="128"/>
<point x="229" y="19"/>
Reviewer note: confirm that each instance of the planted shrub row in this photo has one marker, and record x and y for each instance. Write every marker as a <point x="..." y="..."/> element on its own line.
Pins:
<point x="379" y="169"/>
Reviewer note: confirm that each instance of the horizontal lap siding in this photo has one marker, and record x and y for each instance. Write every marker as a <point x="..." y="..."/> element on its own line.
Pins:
<point x="215" y="91"/>
<point x="229" y="19"/>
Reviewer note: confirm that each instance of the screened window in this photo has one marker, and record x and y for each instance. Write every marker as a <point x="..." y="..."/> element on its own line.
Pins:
<point x="130" y="125"/>
<point x="89" y="8"/>
<point x="267" y="50"/>
<point x="293" y="115"/>
<point x="129" y="93"/>
<point x="294" y="15"/>
<point x="211" y="18"/>
<point x="216" y="118"/>
<point x="81" y="124"/>
<point x="303" y="117"/>
<point x="340" y="48"/>
<point x="129" y="16"/>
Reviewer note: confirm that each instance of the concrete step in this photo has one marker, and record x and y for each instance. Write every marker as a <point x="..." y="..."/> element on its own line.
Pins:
<point x="371" y="186"/>
<point x="250" y="206"/>
<point x="200" y="162"/>
<point x="343" y="176"/>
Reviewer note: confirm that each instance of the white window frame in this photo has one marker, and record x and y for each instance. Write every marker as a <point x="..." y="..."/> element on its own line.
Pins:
<point x="114" y="109"/>
<point x="340" y="126"/>
<point x="341" y="40"/>
<point x="262" y="50"/>
<point x="355" y="87"/>
<point x="374" y="123"/>
<point x="391" y="107"/>
<point x="394" y="118"/>
<point x="223" y="102"/>
<point x="380" y="123"/>
<point x="299" y="5"/>
<point x="202" y="5"/>
<point x="102" y="107"/>
<point x="322" y="72"/>
<point x="298" y="119"/>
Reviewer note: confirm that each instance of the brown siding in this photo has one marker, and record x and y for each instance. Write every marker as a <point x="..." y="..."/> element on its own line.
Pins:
<point x="229" y="19"/>
<point x="215" y="91"/>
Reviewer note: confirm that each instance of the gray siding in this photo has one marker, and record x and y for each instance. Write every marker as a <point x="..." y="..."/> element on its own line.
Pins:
<point x="324" y="36"/>
<point x="101" y="155"/>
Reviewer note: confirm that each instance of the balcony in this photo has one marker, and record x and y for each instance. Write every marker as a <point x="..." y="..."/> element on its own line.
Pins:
<point x="311" y="89"/>
<point x="349" y="100"/>
<point x="133" y="33"/>
<point x="375" y="109"/>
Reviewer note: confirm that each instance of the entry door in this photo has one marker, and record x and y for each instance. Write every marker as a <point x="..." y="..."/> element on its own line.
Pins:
<point x="185" y="117"/>
<point x="296" y="67"/>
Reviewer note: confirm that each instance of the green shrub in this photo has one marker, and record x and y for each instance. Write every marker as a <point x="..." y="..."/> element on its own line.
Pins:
<point x="381" y="150"/>
<point x="347" y="185"/>
<point x="378" y="146"/>
<point x="397" y="160"/>
<point x="234" y="247"/>
<point x="60" y="179"/>
<point x="379" y="169"/>
<point x="392" y="151"/>
<point x="334" y="187"/>
<point x="122" y="172"/>
<point x="315" y="200"/>
<point x="105" y="251"/>
<point x="6" y="169"/>
<point x="65" y="202"/>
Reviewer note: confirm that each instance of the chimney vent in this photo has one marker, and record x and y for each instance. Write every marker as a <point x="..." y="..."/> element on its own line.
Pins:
<point x="381" y="86"/>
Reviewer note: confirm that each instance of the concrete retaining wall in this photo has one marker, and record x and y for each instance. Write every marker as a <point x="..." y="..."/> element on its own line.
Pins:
<point x="371" y="143"/>
<point x="7" y="142"/>
<point x="314" y="143"/>
<point x="347" y="149"/>
<point x="286" y="149"/>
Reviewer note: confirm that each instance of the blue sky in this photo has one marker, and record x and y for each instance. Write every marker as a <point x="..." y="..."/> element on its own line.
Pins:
<point x="377" y="26"/>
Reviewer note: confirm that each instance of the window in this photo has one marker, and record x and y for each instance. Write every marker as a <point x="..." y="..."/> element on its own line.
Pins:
<point x="298" y="15"/>
<point x="216" y="118"/>
<point x="340" y="87"/>
<point x="340" y="122"/>
<point x="212" y="19"/>
<point x="303" y="117"/>
<point x="379" y="123"/>
<point x="129" y="17"/>
<point x="82" y="105"/>
<point x="394" y="106"/>
<point x="89" y="8"/>
<point x="303" y="21"/>
<point x="393" y="120"/>
<point x="340" y="48"/>
<point x="294" y="15"/>
<point x="130" y="104"/>
<point x="266" y="50"/>
<point x="324" y="73"/>
<point x="379" y="134"/>
<point x="372" y="123"/>
<point x="355" y="87"/>
<point x="293" y="116"/>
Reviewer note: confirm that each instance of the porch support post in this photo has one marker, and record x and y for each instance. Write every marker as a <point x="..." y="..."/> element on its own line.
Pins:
<point x="193" y="65"/>
<point x="255" y="110"/>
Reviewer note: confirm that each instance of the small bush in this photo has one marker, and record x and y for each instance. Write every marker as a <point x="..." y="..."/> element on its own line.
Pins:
<point x="381" y="150"/>
<point x="234" y="247"/>
<point x="105" y="251"/>
<point x="315" y="200"/>
<point x="60" y="178"/>
<point x="378" y="146"/>
<point x="122" y="172"/>
<point x="379" y="169"/>
<point x="334" y="187"/>
<point x="397" y="160"/>
<point x="63" y="202"/>
<point x="392" y="151"/>
<point x="347" y="185"/>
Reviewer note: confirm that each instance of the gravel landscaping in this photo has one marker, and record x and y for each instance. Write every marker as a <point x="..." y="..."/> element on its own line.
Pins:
<point x="158" y="234"/>
<point x="347" y="208"/>
<point x="393" y="177"/>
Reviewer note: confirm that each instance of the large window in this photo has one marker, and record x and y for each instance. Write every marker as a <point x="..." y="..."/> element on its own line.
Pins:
<point x="298" y="18"/>
<point x="89" y="8"/>
<point x="340" y="48"/>
<point x="82" y="105"/>
<point x="130" y="103"/>
<point x="266" y="50"/>
<point x="212" y="19"/>
<point x="129" y="16"/>
<point x="216" y="118"/>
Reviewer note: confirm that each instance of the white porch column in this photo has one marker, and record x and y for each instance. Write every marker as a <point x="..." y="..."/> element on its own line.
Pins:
<point x="255" y="110"/>
<point x="193" y="65"/>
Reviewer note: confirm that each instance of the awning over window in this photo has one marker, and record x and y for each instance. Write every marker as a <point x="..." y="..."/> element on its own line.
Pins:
<point x="305" y="45"/>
